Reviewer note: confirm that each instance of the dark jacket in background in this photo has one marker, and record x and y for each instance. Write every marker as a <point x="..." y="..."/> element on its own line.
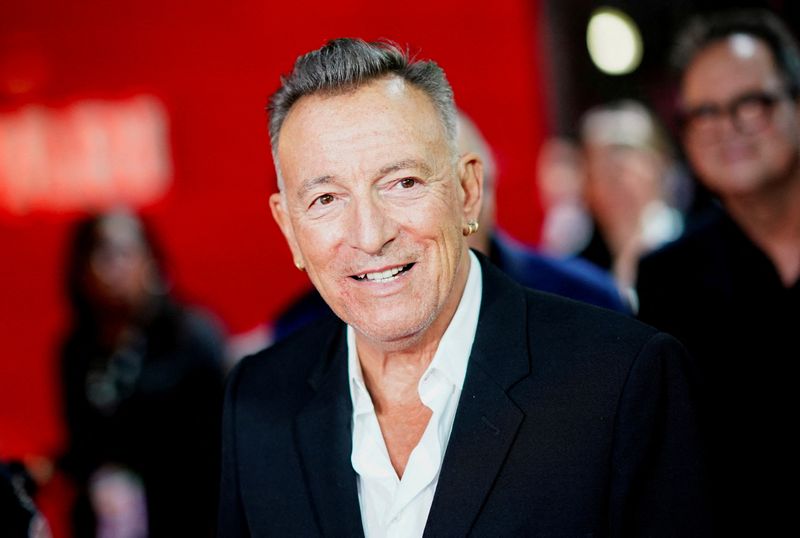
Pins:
<point x="574" y="278"/>
<point x="157" y="416"/>
<point x="721" y="296"/>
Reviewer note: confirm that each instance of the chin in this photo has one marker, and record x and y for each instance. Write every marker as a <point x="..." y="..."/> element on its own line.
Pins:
<point x="393" y="332"/>
<point x="739" y="186"/>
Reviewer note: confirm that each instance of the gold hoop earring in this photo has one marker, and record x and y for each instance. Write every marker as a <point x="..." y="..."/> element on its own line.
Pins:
<point x="472" y="227"/>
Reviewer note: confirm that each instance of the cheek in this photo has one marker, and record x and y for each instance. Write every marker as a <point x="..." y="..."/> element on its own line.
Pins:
<point x="436" y="224"/>
<point x="317" y="242"/>
<point x="429" y="220"/>
<point x="451" y="244"/>
<point x="785" y="139"/>
<point x="700" y="158"/>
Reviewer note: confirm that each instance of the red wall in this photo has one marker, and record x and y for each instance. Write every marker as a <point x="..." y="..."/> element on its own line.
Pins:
<point x="214" y="64"/>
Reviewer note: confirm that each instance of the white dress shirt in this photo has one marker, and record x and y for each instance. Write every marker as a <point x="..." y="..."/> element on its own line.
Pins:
<point x="391" y="507"/>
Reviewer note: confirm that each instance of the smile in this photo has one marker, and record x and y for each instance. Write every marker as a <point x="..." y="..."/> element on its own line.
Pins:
<point x="383" y="276"/>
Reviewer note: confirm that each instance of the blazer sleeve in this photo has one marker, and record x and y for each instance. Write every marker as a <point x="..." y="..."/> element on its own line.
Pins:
<point x="658" y="480"/>
<point x="231" y="522"/>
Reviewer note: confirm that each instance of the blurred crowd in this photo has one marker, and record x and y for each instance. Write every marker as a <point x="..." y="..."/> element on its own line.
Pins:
<point x="624" y="229"/>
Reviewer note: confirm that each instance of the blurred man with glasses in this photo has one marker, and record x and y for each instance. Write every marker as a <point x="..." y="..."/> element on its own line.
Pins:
<point x="729" y="287"/>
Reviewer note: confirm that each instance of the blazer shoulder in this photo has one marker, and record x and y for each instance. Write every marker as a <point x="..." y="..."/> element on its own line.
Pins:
<point x="583" y="348"/>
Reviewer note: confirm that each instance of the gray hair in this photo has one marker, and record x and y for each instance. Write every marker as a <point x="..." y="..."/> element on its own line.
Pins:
<point x="625" y="123"/>
<point x="344" y="65"/>
<point x="705" y="30"/>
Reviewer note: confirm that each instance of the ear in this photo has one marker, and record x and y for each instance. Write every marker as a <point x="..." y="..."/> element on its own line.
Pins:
<point x="470" y="174"/>
<point x="281" y="216"/>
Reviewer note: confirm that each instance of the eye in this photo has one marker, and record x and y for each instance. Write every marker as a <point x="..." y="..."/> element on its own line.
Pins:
<point x="703" y="113"/>
<point x="407" y="182"/>
<point x="325" y="199"/>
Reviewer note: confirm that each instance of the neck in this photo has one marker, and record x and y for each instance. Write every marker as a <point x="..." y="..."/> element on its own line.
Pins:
<point x="392" y="378"/>
<point x="771" y="218"/>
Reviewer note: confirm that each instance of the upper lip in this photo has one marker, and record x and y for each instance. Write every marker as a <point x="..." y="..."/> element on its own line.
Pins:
<point x="736" y="151"/>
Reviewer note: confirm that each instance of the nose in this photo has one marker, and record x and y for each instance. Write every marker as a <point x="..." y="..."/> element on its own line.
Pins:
<point x="372" y="228"/>
<point x="728" y="126"/>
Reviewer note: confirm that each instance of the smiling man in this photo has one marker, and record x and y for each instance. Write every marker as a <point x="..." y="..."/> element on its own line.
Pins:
<point x="447" y="400"/>
<point x="730" y="288"/>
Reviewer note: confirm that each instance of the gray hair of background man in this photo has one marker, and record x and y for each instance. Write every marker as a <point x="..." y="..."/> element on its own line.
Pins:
<point x="625" y="123"/>
<point x="344" y="65"/>
<point x="705" y="30"/>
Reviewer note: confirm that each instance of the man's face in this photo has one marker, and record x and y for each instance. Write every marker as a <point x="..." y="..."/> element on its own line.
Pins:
<point x="762" y="150"/>
<point x="374" y="205"/>
<point x="620" y="183"/>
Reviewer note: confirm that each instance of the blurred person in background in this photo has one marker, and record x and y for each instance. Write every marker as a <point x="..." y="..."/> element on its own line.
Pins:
<point x="729" y="287"/>
<point x="567" y="225"/>
<point x="573" y="278"/>
<point x="142" y="385"/>
<point x="627" y="161"/>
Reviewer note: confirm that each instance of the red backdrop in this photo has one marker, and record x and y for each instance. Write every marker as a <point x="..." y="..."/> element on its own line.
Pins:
<point x="213" y="65"/>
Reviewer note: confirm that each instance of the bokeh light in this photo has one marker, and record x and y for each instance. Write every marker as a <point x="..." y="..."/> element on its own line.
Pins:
<point x="614" y="41"/>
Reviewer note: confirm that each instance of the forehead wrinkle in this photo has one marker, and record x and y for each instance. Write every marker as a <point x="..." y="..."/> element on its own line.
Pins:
<point x="403" y="164"/>
<point x="333" y="120"/>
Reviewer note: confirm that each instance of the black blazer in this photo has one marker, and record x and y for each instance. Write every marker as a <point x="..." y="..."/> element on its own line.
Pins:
<point x="573" y="421"/>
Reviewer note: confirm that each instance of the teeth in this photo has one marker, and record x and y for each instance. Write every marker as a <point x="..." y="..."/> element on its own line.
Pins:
<point x="382" y="275"/>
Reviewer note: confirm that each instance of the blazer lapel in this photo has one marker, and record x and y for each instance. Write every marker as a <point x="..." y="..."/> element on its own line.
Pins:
<point x="323" y="434"/>
<point x="486" y="420"/>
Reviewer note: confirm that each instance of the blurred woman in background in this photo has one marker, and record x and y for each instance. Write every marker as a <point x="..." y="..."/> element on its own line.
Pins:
<point x="142" y="380"/>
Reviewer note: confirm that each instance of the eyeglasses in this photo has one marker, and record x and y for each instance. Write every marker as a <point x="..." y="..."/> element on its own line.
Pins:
<point x="750" y="113"/>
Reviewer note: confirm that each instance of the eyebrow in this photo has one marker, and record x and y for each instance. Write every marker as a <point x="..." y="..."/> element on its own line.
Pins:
<point x="310" y="184"/>
<point x="403" y="164"/>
